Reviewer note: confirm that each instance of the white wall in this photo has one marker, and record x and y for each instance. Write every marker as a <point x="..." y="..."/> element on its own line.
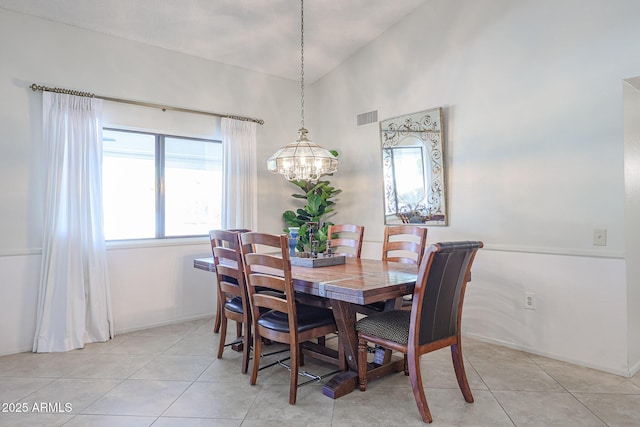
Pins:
<point x="534" y="142"/>
<point x="151" y="284"/>
<point x="631" y="90"/>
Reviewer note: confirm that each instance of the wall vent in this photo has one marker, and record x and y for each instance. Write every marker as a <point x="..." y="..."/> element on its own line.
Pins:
<point x="367" y="118"/>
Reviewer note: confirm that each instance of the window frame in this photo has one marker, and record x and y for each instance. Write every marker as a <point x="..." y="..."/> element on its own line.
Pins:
<point x="160" y="196"/>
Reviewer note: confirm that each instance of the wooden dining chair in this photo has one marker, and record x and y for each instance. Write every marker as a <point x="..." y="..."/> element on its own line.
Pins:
<point x="433" y="322"/>
<point x="404" y="243"/>
<point x="285" y="321"/>
<point x="345" y="239"/>
<point x="233" y="299"/>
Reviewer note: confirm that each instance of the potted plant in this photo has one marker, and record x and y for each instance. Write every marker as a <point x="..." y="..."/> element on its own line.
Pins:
<point x="318" y="197"/>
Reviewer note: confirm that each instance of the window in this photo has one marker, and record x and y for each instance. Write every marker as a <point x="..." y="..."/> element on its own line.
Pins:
<point x="157" y="186"/>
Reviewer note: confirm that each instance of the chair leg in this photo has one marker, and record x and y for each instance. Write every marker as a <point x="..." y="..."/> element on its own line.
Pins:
<point x="223" y="334"/>
<point x="415" y="377"/>
<point x="216" y="324"/>
<point x="405" y="367"/>
<point x="362" y="364"/>
<point x="461" y="376"/>
<point x="246" y="348"/>
<point x="293" y="379"/>
<point x="238" y="329"/>
<point x="257" y="351"/>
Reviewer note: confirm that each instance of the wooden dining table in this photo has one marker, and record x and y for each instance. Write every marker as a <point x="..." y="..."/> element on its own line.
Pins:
<point x="344" y="287"/>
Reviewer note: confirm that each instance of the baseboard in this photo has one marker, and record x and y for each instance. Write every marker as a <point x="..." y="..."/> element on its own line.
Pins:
<point x="634" y="369"/>
<point x="607" y="369"/>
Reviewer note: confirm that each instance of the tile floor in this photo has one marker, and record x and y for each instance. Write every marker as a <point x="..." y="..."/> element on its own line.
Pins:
<point x="169" y="376"/>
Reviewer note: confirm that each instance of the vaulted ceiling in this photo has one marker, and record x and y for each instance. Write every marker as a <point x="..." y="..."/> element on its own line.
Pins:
<point x="260" y="35"/>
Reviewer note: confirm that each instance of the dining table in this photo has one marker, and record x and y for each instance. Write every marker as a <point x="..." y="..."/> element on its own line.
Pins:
<point x="350" y="288"/>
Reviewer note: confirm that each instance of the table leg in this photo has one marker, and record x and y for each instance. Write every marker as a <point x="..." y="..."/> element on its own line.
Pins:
<point x="344" y="382"/>
<point x="347" y="381"/>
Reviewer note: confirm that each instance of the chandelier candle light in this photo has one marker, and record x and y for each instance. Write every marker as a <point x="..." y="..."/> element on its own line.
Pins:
<point x="302" y="160"/>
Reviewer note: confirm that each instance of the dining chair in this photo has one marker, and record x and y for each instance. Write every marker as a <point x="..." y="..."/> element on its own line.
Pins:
<point x="232" y="294"/>
<point x="345" y="239"/>
<point x="404" y="243"/>
<point x="286" y="321"/>
<point x="433" y="322"/>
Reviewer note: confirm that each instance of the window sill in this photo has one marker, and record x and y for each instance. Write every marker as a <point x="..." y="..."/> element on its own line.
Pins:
<point x="157" y="243"/>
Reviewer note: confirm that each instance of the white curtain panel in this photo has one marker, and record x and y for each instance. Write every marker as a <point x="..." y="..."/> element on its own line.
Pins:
<point x="74" y="305"/>
<point x="239" y="174"/>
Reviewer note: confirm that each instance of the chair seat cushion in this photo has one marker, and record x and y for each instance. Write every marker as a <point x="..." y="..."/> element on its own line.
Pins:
<point x="234" y="304"/>
<point x="390" y="325"/>
<point x="309" y="317"/>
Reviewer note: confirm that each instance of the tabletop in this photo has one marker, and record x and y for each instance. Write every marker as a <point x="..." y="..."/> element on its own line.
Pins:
<point x="357" y="281"/>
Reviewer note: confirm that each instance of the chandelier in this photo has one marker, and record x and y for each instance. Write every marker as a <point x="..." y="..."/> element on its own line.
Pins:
<point x="302" y="160"/>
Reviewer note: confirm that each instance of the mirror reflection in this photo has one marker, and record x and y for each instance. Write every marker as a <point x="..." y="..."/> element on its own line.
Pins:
<point x="413" y="169"/>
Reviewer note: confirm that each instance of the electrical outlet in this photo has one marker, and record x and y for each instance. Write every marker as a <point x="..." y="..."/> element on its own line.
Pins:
<point x="530" y="300"/>
<point x="600" y="237"/>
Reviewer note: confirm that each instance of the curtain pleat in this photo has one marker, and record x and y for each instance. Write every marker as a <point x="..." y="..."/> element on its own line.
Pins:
<point x="239" y="174"/>
<point x="74" y="304"/>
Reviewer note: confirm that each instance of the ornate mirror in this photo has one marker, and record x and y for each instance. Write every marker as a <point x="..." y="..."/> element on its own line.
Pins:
<point x="414" y="169"/>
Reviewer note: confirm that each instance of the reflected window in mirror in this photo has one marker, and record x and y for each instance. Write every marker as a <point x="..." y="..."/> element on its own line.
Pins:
<point x="414" y="168"/>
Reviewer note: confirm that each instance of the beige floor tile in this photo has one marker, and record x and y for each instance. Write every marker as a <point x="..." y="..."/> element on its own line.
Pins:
<point x="281" y="423"/>
<point x="179" y="329"/>
<point x="214" y="400"/>
<point x="617" y="410"/>
<point x="110" y="366"/>
<point x="476" y="351"/>
<point x="195" y="345"/>
<point x="225" y="370"/>
<point x="196" y="422"/>
<point x="76" y="393"/>
<point x="585" y="380"/>
<point x="107" y="346"/>
<point x="138" y="397"/>
<point x="272" y="403"/>
<point x="636" y="379"/>
<point x="11" y="361"/>
<point x="391" y="407"/>
<point x="531" y="408"/>
<point x="378" y="406"/>
<point x="13" y="389"/>
<point x="33" y="419"/>
<point x="110" y="421"/>
<point x="170" y="376"/>
<point x="521" y="376"/>
<point x="442" y="375"/>
<point x="49" y="365"/>
<point x="173" y="368"/>
<point x="146" y="344"/>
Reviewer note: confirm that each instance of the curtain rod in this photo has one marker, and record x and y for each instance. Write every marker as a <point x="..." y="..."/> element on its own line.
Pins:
<point x="35" y="87"/>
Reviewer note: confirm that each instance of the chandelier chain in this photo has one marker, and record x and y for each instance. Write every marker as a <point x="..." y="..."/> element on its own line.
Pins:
<point x="302" y="63"/>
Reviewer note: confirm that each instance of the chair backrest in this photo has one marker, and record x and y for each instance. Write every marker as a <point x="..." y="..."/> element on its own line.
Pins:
<point x="436" y="312"/>
<point x="404" y="243"/>
<point x="346" y="239"/>
<point x="269" y="267"/>
<point x="228" y="263"/>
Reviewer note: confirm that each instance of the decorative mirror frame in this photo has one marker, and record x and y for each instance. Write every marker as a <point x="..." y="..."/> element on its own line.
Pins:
<point x="429" y="207"/>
